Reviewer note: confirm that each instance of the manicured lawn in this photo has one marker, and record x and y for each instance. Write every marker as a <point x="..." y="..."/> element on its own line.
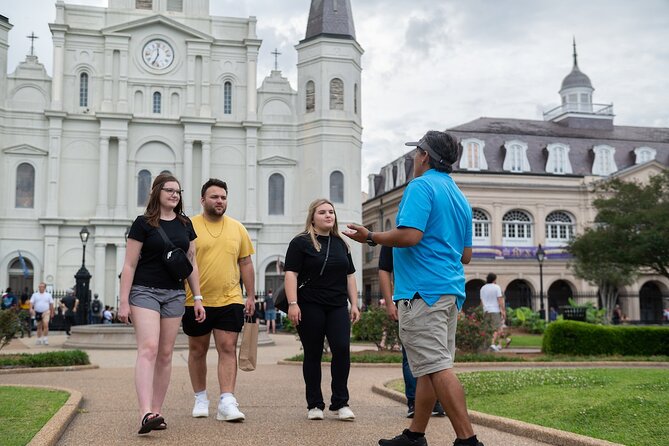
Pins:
<point x="627" y="406"/>
<point x="23" y="412"/>
<point x="526" y="340"/>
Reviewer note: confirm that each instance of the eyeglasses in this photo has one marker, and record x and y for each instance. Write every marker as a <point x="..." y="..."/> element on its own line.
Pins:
<point x="171" y="191"/>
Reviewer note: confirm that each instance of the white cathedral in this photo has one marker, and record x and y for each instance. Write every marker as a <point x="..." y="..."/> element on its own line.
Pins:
<point x="146" y="86"/>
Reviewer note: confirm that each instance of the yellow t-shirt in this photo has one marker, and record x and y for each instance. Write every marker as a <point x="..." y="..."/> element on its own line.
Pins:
<point x="218" y="248"/>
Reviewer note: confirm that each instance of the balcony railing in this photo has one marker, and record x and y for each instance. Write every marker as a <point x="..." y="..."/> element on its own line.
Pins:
<point x="587" y="109"/>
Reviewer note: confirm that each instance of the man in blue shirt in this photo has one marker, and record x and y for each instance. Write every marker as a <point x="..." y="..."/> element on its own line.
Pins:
<point x="432" y="240"/>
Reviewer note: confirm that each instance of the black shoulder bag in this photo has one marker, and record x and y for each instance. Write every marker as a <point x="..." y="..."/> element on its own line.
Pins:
<point x="175" y="259"/>
<point x="280" y="299"/>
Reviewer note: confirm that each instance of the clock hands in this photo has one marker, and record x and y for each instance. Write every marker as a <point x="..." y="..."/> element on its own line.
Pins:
<point x="156" y="58"/>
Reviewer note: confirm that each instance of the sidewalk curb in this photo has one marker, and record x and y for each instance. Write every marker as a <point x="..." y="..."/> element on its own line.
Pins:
<point x="545" y="434"/>
<point x="67" y="368"/>
<point x="56" y="425"/>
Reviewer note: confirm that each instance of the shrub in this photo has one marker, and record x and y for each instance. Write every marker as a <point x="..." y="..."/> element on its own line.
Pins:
<point x="581" y="338"/>
<point x="9" y="326"/>
<point x="524" y="317"/>
<point x="46" y="359"/>
<point x="593" y="315"/>
<point x="474" y="332"/>
<point x="375" y="326"/>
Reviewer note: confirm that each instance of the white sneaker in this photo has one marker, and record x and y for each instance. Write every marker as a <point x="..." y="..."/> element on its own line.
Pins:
<point x="345" y="414"/>
<point x="315" y="414"/>
<point x="38" y="341"/>
<point x="45" y="341"/>
<point x="201" y="408"/>
<point x="227" y="410"/>
<point x="495" y="348"/>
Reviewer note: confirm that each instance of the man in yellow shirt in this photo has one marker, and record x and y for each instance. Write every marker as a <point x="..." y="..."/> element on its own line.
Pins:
<point x="223" y="251"/>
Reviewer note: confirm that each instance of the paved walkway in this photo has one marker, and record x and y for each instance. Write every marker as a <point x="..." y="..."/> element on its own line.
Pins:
<point x="272" y="397"/>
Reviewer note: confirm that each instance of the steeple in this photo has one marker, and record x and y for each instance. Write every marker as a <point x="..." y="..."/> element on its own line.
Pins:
<point x="576" y="78"/>
<point x="330" y="18"/>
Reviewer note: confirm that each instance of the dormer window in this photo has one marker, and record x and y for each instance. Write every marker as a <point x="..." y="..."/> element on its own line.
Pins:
<point x="644" y="154"/>
<point x="558" y="159"/>
<point x="604" y="164"/>
<point x="473" y="157"/>
<point x="516" y="157"/>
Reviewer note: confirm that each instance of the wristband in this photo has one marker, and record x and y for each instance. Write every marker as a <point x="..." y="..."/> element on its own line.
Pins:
<point x="292" y="303"/>
<point x="197" y="298"/>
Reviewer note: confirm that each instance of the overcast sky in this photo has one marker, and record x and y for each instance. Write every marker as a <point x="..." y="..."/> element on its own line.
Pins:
<point x="434" y="64"/>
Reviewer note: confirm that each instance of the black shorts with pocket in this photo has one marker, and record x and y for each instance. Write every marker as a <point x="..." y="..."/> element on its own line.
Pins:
<point x="228" y="318"/>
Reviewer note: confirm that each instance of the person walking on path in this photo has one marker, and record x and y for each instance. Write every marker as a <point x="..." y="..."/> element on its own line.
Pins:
<point x="433" y="239"/>
<point x="224" y="252"/>
<point x="319" y="284"/>
<point x="386" y="284"/>
<point x="152" y="299"/>
<point x="69" y="305"/>
<point x="270" y="312"/>
<point x="492" y="300"/>
<point x="41" y="308"/>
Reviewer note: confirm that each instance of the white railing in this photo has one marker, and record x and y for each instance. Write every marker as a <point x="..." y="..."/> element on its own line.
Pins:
<point x="590" y="109"/>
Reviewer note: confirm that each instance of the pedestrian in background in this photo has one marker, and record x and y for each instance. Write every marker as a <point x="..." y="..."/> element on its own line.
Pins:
<point x="41" y="308"/>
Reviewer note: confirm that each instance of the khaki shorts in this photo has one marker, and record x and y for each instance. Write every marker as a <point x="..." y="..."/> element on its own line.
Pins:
<point x="45" y="318"/>
<point x="496" y="320"/>
<point x="428" y="333"/>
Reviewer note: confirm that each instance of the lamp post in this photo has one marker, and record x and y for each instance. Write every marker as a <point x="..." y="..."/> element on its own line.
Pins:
<point x="83" y="280"/>
<point x="541" y="255"/>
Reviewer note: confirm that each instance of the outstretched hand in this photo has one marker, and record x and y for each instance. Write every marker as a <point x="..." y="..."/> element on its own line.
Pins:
<point x="356" y="232"/>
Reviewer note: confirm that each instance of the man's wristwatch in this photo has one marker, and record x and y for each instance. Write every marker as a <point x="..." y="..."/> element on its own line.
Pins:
<point x="370" y="242"/>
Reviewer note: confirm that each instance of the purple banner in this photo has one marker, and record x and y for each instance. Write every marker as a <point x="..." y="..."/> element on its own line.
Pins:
<point x="518" y="252"/>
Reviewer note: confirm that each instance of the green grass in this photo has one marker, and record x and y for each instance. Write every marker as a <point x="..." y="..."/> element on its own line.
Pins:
<point x="627" y="406"/>
<point x="526" y="340"/>
<point x="23" y="412"/>
<point x="46" y="359"/>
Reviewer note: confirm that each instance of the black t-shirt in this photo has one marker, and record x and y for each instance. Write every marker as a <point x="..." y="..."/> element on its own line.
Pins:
<point x="151" y="270"/>
<point x="331" y="287"/>
<point x="386" y="259"/>
<point x="69" y="302"/>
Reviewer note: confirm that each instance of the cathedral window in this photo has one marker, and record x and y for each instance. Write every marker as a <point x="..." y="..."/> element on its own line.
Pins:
<point x="559" y="227"/>
<point x="276" y="194"/>
<point x="480" y="227"/>
<point x="515" y="159"/>
<point x="473" y="157"/>
<point x="175" y="5"/>
<point x="227" y="98"/>
<point x="25" y="186"/>
<point x="644" y="154"/>
<point x="144" y="4"/>
<point x="558" y="159"/>
<point x="605" y="163"/>
<point x="157" y="102"/>
<point x="311" y="96"/>
<point x="83" y="90"/>
<point x="337" y="187"/>
<point x="143" y="187"/>
<point x="517" y="228"/>
<point x="336" y="94"/>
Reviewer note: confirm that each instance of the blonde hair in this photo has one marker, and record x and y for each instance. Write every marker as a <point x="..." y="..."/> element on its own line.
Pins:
<point x="309" y="224"/>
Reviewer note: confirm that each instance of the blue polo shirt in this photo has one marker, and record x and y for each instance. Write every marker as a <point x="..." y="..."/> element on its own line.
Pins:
<point x="433" y="204"/>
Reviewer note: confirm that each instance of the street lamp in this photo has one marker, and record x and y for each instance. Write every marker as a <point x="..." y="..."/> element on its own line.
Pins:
<point x="541" y="255"/>
<point x="83" y="280"/>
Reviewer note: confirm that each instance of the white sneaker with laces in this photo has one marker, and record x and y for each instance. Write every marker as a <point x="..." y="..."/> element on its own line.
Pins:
<point x="227" y="410"/>
<point x="345" y="414"/>
<point x="315" y="414"/>
<point x="45" y="341"/>
<point x="201" y="408"/>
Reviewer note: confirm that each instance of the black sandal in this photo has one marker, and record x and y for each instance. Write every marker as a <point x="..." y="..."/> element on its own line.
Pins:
<point x="161" y="427"/>
<point x="151" y="421"/>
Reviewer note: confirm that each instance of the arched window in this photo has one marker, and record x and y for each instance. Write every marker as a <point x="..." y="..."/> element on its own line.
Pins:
<point x="273" y="275"/>
<point x="311" y="96"/>
<point x="83" y="90"/>
<point x="515" y="159"/>
<point x="473" y="157"/>
<point x="337" y="187"/>
<point x="227" y="98"/>
<point x="559" y="227"/>
<point x="558" y="159"/>
<point x="276" y="194"/>
<point x="604" y="163"/>
<point x="517" y="228"/>
<point x="644" y="154"/>
<point x="143" y="187"/>
<point x="336" y="94"/>
<point x="480" y="227"/>
<point x="157" y="102"/>
<point x="25" y="186"/>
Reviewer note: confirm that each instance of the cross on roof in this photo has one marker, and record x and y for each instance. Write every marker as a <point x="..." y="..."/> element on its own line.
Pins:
<point x="276" y="54"/>
<point x="32" y="38"/>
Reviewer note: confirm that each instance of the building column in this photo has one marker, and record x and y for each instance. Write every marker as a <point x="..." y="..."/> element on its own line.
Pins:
<point x="55" y="139"/>
<point x="251" y="84"/>
<point x="58" y="37"/>
<point x="496" y="225"/>
<point x="188" y="176"/>
<point x="122" y="179"/>
<point x="51" y="237"/>
<point x="206" y="161"/>
<point x="103" y="174"/>
<point x="251" y="174"/>
<point x="190" y="86"/>
<point x="98" y="285"/>
<point x="107" y="105"/>
<point x="540" y="225"/>
<point x="205" y="108"/>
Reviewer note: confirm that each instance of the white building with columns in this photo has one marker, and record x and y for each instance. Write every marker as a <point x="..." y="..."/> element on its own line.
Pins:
<point x="146" y="86"/>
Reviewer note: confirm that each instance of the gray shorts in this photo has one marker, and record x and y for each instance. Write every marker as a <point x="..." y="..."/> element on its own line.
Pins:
<point x="496" y="320"/>
<point x="428" y="334"/>
<point x="169" y="303"/>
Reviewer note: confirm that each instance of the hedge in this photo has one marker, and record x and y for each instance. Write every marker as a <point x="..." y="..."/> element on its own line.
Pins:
<point x="45" y="359"/>
<point x="581" y="338"/>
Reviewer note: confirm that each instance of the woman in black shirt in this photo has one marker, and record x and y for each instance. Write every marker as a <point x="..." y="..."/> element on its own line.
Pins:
<point x="152" y="299"/>
<point x="319" y="284"/>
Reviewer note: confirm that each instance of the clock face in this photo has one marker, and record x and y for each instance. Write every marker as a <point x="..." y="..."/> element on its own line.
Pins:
<point x="158" y="54"/>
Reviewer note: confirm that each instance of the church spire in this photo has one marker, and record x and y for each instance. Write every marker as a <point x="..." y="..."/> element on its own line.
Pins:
<point x="575" y="55"/>
<point x="330" y="18"/>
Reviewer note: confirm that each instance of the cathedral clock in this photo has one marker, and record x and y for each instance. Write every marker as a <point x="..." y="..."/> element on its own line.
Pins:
<point x="158" y="54"/>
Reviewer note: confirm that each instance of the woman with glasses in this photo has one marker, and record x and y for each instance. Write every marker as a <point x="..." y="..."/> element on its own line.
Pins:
<point x="319" y="284"/>
<point x="152" y="299"/>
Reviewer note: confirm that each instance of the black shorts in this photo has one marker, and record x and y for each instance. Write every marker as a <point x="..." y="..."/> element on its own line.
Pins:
<point x="228" y="318"/>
